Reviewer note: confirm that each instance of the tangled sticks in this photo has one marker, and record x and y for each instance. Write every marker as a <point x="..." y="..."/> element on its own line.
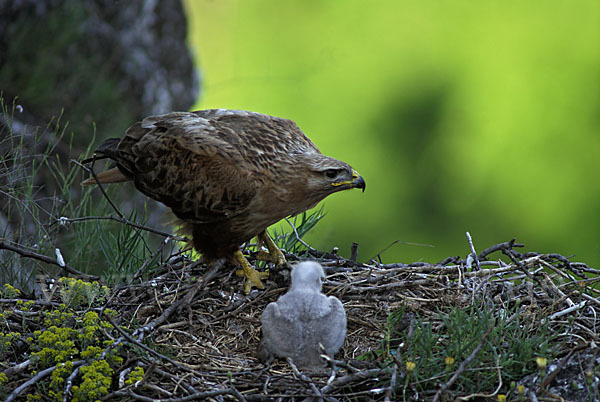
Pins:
<point x="198" y="338"/>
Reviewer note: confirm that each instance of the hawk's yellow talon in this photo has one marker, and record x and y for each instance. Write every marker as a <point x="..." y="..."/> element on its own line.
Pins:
<point x="277" y="259"/>
<point x="274" y="255"/>
<point x="253" y="277"/>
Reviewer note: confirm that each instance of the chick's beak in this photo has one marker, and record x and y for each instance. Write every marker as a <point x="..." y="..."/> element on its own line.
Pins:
<point x="358" y="181"/>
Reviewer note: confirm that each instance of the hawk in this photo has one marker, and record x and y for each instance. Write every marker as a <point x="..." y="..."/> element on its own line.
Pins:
<point x="303" y="318"/>
<point x="226" y="175"/>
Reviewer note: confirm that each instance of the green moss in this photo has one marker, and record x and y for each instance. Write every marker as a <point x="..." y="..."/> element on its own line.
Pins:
<point x="79" y="336"/>
<point x="9" y="292"/>
<point x="92" y="352"/>
<point x="76" y="293"/>
<point x="57" y="382"/>
<point x="96" y="382"/>
<point x="59" y="317"/>
<point x="8" y="343"/>
<point x="55" y="345"/>
<point x="137" y="374"/>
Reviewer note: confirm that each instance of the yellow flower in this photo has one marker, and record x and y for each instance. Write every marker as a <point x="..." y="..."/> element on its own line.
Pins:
<point x="501" y="398"/>
<point x="410" y="366"/>
<point x="449" y="360"/>
<point x="521" y="389"/>
<point x="541" y="362"/>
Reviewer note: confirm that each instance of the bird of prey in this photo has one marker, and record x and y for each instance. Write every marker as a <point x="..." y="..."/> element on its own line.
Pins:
<point x="304" y="317"/>
<point x="226" y="175"/>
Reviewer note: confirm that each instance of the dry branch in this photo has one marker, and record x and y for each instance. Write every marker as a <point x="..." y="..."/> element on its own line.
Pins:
<point x="30" y="254"/>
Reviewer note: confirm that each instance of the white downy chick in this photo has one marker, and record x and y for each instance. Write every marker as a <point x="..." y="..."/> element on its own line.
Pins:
<point x="298" y="321"/>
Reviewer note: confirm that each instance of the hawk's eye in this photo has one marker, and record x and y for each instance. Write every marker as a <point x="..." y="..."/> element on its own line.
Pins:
<point x="331" y="173"/>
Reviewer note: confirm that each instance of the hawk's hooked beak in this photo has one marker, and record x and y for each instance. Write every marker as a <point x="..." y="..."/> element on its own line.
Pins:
<point x="356" y="182"/>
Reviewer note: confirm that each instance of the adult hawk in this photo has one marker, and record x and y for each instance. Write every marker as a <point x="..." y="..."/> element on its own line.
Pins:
<point x="227" y="175"/>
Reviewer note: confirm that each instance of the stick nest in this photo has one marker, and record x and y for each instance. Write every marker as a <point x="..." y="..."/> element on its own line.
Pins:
<point x="198" y="336"/>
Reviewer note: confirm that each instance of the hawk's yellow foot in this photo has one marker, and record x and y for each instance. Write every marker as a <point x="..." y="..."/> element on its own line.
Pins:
<point x="274" y="255"/>
<point x="253" y="277"/>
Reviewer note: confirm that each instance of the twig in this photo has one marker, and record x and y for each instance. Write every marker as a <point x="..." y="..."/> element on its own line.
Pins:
<point x="200" y="283"/>
<point x="91" y="171"/>
<point x="247" y="301"/>
<point x="473" y="252"/>
<point x="406" y="243"/>
<point x="176" y="378"/>
<point x="46" y="259"/>
<point x="17" y="368"/>
<point x="124" y="221"/>
<point x="354" y="252"/>
<point x="158" y="389"/>
<point x="69" y="383"/>
<point x="148" y="349"/>
<point x="555" y="288"/>
<point x="304" y="378"/>
<point x="35" y="379"/>
<point x="480" y="395"/>
<point x="305" y="244"/>
<point x="192" y="397"/>
<point x="497" y="247"/>
<point x="339" y="363"/>
<point x="567" y="263"/>
<point x="550" y="377"/>
<point x="347" y="379"/>
<point x="140" y="332"/>
<point x="567" y="310"/>
<point x="150" y="259"/>
<point x="238" y="395"/>
<point x="390" y="389"/>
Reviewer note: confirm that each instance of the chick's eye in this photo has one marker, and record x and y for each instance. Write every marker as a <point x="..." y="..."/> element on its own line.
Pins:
<point x="331" y="173"/>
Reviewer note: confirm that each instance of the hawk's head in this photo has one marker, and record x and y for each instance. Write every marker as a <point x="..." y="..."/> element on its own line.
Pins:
<point x="327" y="175"/>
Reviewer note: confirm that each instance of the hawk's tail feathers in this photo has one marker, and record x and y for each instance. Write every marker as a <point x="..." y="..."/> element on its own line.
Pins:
<point x="113" y="175"/>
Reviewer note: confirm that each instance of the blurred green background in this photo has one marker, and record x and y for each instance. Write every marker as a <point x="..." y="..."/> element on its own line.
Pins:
<point x="461" y="116"/>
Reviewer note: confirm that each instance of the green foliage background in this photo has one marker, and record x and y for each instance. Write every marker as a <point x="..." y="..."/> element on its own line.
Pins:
<point x="461" y="115"/>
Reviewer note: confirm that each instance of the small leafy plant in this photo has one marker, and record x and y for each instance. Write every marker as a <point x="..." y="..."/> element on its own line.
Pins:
<point x="493" y="344"/>
<point x="291" y="239"/>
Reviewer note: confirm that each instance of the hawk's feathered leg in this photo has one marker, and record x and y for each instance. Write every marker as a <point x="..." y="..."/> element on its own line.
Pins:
<point x="253" y="277"/>
<point x="274" y="255"/>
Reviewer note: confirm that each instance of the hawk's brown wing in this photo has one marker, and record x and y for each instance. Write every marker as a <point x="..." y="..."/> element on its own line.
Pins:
<point x="208" y="165"/>
<point x="176" y="159"/>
